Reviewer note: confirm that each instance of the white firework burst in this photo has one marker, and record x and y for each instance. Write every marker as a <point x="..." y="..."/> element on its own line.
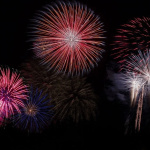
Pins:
<point x="137" y="80"/>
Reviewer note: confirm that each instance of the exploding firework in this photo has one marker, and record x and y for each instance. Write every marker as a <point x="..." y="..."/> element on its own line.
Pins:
<point x="138" y="80"/>
<point x="132" y="37"/>
<point x="133" y="83"/>
<point x="74" y="100"/>
<point x="12" y="92"/>
<point x="36" y="114"/>
<point x="68" y="38"/>
<point x="140" y="64"/>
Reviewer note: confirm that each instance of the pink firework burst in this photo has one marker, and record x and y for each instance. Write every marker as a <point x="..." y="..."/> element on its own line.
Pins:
<point x="12" y="92"/>
<point x="69" y="38"/>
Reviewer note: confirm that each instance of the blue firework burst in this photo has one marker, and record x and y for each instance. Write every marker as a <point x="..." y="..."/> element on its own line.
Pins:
<point x="37" y="113"/>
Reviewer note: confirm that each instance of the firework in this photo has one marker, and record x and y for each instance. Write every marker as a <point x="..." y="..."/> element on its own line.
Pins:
<point x="133" y="83"/>
<point x="74" y="100"/>
<point x="12" y="92"/>
<point x="132" y="37"/>
<point x="36" y="114"/>
<point x="140" y="64"/>
<point x="68" y="38"/>
<point x="138" y="80"/>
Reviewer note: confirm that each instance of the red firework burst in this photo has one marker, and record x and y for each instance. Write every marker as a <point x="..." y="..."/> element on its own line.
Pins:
<point x="132" y="37"/>
<point x="69" y="38"/>
<point x="12" y="92"/>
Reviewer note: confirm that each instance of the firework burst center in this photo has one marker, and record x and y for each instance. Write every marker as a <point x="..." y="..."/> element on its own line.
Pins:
<point x="71" y="38"/>
<point x="31" y="110"/>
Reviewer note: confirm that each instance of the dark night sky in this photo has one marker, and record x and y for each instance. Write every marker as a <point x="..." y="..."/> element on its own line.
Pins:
<point x="108" y="129"/>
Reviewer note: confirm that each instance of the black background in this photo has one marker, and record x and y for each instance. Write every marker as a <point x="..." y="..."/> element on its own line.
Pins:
<point x="107" y="132"/>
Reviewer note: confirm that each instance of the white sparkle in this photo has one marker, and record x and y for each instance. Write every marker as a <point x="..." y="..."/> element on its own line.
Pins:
<point x="71" y="38"/>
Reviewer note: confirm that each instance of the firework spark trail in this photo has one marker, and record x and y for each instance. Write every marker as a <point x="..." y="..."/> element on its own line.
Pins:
<point x="134" y="83"/>
<point x="12" y="92"/>
<point x="68" y="38"/>
<point x="139" y="65"/>
<point x="139" y="110"/>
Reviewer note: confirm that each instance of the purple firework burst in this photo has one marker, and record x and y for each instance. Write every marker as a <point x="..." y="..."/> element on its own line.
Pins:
<point x="37" y="113"/>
